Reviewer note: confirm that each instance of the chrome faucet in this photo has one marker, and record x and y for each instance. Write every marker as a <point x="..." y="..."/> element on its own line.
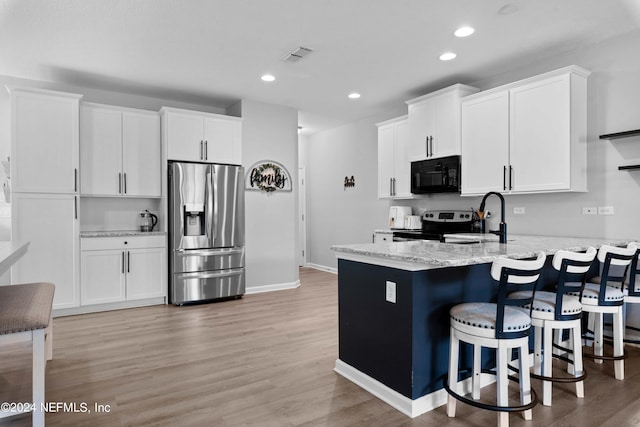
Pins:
<point x="502" y="232"/>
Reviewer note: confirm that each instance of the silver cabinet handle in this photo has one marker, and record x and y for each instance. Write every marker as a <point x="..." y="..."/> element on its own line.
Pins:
<point x="201" y="150"/>
<point x="510" y="177"/>
<point x="75" y="180"/>
<point x="426" y="145"/>
<point x="125" y="182"/>
<point x="504" y="177"/>
<point x="119" y="182"/>
<point x="128" y="262"/>
<point x="122" y="262"/>
<point x="391" y="186"/>
<point x="206" y="150"/>
<point x="75" y="207"/>
<point x="431" y="145"/>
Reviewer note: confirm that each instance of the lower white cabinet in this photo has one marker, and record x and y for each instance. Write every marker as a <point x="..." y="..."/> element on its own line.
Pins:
<point x="115" y="269"/>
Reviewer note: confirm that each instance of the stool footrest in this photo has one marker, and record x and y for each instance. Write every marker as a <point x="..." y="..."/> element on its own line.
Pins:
<point x="594" y="356"/>
<point x="487" y="406"/>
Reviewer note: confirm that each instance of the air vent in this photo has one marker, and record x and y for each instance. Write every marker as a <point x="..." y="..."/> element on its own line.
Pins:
<point x="297" y="54"/>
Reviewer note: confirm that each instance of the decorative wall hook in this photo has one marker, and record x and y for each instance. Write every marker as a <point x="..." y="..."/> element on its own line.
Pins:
<point x="349" y="182"/>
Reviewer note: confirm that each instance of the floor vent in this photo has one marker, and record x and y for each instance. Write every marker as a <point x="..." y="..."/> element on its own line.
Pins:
<point x="297" y="54"/>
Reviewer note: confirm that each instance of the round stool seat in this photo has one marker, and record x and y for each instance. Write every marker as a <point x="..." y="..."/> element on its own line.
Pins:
<point x="544" y="304"/>
<point x="592" y="290"/>
<point x="479" y="318"/>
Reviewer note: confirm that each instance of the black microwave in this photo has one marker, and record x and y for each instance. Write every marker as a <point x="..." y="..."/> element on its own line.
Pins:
<point x="436" y="175"/>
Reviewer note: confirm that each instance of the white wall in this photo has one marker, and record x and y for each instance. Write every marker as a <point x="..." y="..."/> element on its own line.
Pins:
<point x="336" y="215"/>
<point x="613" y="106"/>
<point x="269" y="132"/>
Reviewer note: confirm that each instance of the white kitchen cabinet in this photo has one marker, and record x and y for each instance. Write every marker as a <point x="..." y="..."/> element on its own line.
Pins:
<point x="102" y="276"/>
<point x="393" y="161"/>
<point x="128" y="268"/>
<point x="528" y="136"/>
<point x="202" y="137"/>
<point x="49" y="223"/>
<point x="434" y="123"/>
<point x="120" y="151"/>
<point x="485" y="136"/>
<point x="44" y="141"/>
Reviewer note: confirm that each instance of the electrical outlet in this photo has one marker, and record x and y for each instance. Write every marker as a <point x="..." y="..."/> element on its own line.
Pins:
<point x="391" y="292"/>
<point x="518" y="211"/>
<point x="605" y="210"/>
<point x="590" y="211"/>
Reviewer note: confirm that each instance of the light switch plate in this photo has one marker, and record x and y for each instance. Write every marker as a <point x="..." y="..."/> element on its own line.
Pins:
<point x="518" y="211"/>
<point x="605" y="210"/>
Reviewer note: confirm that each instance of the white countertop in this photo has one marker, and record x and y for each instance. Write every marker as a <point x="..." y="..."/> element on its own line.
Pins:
<point x="10" y="252"/>
<point x="426" y="254"/>
<point x="120" y="233"/>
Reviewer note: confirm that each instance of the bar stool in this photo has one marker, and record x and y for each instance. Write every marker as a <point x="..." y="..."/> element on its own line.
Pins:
<point x="558" y="311"/>
<point x="632" y="292"/>
<point x="607" y="296"/>
<point x="503" y="325"/>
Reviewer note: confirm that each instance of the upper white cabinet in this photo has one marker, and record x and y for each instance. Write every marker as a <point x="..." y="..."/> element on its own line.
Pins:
<point x="202" y="137"/>
<point x="44" y="141"/>
<point x="434" y="123"/>
<point x="393" y="160"/>
<point x="527" y="137"/>
<point x="120" y="151"/>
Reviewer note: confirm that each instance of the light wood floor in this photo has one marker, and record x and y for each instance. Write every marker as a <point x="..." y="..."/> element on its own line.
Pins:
<point x="263" y="360"/>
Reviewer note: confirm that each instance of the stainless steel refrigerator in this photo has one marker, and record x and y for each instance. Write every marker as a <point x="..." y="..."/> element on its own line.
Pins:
<point x="206" y="232"/>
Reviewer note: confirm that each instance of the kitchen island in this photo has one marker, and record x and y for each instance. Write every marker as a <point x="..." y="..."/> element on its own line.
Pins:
<point x="394" y="300"/>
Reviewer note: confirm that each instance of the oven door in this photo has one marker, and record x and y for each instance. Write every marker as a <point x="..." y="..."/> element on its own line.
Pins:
<point x="436" y="175"/>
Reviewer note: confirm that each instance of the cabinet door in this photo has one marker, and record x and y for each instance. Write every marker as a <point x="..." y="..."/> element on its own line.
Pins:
<point x="103" y="277"/>
<point x="485" y="143"/>
<point x="446" y="125"/>
<point x="222" y="140"/>
<point x="401" y="162"/>
<point x="385" y="160"/>
<point x="421" y="127"/>
<point x="49" y="224"/>
<point x="141" y="158"/>
<point x="185" y="139"/>
<point x="540" y="151"/>
<point x="44" y="142"/>
<point x="101" y="151"/>
<point x="146" y="273"/>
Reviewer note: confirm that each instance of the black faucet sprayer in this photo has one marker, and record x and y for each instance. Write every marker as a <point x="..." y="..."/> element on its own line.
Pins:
<point x="502" y="232"/>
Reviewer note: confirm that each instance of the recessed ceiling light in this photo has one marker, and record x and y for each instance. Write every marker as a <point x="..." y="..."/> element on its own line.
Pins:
<point x="447" y="56"/>
<point x="268" y="78"/>
<point x="354" y="95"/>
<point x="464" y="32"/>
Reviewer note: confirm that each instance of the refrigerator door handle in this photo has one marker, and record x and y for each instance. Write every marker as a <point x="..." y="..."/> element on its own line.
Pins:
<point x="214" y="205"/>
<point x="212" y="274"/>
<point x="211" y="252"/>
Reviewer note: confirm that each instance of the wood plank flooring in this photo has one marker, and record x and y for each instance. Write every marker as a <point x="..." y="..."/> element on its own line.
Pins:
<point x="263" y="360"/>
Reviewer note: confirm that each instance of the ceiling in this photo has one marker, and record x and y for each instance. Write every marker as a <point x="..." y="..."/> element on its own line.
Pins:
<point x="213" y="52"/>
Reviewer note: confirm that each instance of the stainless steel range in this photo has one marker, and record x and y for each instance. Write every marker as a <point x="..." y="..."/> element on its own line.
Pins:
<point x="437" y="223"/>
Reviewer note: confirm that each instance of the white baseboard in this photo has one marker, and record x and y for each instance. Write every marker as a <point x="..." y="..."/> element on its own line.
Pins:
<point x="108" y="307"/>
<point x="271" y="288"/>
<point x="410" y="407"/>
<point x="322" y="268"/>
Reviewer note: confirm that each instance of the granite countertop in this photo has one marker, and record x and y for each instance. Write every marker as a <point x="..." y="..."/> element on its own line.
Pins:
<point x="429" y="254"/>
<point x="120" y="233"/>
